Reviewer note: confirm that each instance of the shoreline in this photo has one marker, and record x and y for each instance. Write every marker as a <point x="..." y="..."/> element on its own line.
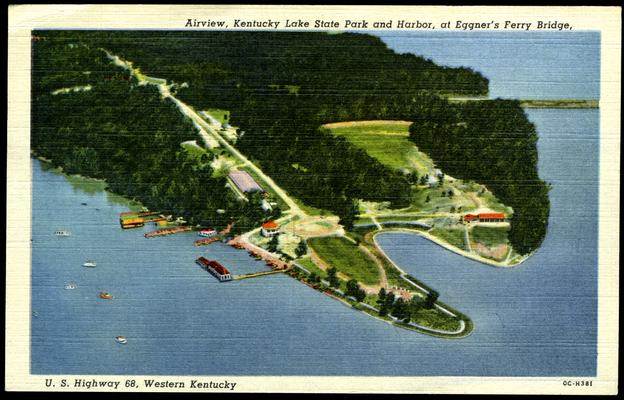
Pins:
<point x="448" y="247"/>
<point x="538" y="103"/>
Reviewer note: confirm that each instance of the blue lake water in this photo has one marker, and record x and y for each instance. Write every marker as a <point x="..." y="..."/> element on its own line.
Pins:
<point x="522" y="65"/>
<point x="538" y="319"/>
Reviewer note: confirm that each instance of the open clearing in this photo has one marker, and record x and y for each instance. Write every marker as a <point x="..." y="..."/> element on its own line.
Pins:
<point x="490" y="236"/>
<point x="365" y="123"/>
<point x="347" y="258"/>
<point x="387" y="141"/>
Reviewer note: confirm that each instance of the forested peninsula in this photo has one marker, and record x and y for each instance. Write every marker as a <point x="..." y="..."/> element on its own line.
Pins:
<point x="279" y="88"/>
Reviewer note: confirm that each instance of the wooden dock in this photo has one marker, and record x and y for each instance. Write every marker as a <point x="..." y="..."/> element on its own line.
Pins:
<point x="203" y="242"/>
<point x="168" y="231"/>
<point x="257" y="274"/>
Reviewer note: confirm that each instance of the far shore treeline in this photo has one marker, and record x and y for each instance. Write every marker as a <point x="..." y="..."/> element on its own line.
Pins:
<point x="279" y="88"/>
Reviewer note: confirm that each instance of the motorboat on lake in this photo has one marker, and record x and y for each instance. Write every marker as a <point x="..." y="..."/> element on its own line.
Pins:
<point x="89" y="264"/>
<point x="121" y="339"/>
<point x="60" y="232"/>
<point x="105" y="295"/>
<point x="71" y="286"/>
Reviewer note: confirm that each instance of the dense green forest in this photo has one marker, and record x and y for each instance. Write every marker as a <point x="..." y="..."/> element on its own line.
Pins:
<point x="281" y="86"/>
<point x="493" y="143"/>
<point x="124" y="133"/>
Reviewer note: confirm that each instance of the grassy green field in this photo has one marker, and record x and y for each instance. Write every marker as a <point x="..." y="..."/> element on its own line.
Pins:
<point x="308" y="264"/>
<point x="219" y="114"/>
<point x="389" y="144"/>
<point x="489" y="236"/>
<point x="452" y="236"/>
<point x="347" y="258"/>
<point x="435" y="319"/>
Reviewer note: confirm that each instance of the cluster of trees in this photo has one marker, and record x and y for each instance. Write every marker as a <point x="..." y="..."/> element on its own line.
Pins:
<point x="493" y="143"/>
<point x="125" y="134"/>
<point x="354" y="290"/>
<point x="215" y="61"/>
<point x="404" y="310"/>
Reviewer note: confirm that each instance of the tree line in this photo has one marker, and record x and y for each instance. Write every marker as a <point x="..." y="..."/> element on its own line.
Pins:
<point x="281" y="87"/>
<point x="492" y="142"/>
<point x="126" y="134"/>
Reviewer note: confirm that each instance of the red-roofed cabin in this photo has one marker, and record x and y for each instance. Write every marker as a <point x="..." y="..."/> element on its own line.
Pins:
<point x="270" y="228"/>
<point x="470" y="217"/>
<point x="492" y="217"/>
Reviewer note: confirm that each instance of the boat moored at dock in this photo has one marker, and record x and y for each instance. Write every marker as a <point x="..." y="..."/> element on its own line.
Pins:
<point x="215" y="268"/>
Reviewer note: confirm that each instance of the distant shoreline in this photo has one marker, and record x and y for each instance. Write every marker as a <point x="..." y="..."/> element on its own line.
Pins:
<point x="537" y="103"/>
<point x="559" y="103"/>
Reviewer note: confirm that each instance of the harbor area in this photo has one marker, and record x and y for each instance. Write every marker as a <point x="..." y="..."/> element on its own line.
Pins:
<point x="272" y="260"/>
<point x="137" y="219"/>
<point x="267" y="263"/>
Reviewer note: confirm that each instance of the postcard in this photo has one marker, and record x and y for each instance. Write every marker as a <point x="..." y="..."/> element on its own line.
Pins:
<point x="347" y="199"/>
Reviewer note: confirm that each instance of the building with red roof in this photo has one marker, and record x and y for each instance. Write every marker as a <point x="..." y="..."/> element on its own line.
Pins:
<point x="470" y="217"/>
<point x="270" y="228"/>
<point x="485" y="217"/>
<point x="215" y="268"/>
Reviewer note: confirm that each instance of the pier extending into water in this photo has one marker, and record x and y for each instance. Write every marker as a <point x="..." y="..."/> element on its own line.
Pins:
<point x="257" y="274"/>
<point x="203" y="242"/>
<point x="168" y="231"/>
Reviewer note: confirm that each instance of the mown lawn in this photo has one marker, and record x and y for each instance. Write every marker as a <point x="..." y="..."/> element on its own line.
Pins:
<point x="389" y="144"/>
<point x="218" y="114"/>
<point x="310" y="266"/>
<point x="452" y="236"/>
<point x="347" y="258"/>
<point x="435" y="319"/>
<point x="489" y="236"/>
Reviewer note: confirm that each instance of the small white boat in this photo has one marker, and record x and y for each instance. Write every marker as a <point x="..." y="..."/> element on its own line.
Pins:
<point x="61" y="233"/>
<point x="90" y="264"/>
<point x="71" y="286"/>
<point x="207" y="233"/>
<point x="121" y="339"/>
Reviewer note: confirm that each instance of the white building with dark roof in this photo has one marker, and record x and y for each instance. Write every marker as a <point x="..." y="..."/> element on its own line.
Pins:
<point x="244" y="182"/>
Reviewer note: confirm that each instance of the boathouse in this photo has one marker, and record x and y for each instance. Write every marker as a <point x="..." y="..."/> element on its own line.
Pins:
<point x="215" y="268"/>
<point x="127" y="223"/>
<point x="270" y="229"/>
